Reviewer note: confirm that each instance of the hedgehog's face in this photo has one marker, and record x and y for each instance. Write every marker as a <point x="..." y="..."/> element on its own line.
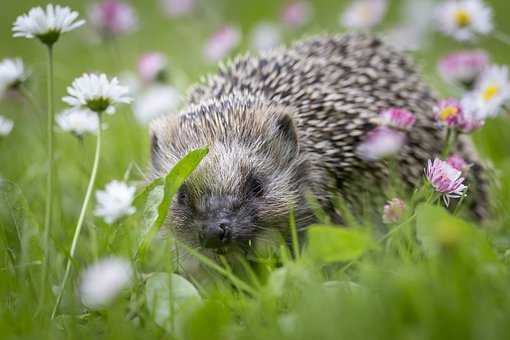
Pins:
<point x="241" y="193"/>
<point x="245" y="187"/>
<point x="215" y="215"/>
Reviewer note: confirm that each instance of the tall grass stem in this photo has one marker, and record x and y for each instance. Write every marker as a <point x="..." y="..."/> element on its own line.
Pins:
<point x="49" y="179"/>
<point x="81" y="218"/>
<point x="211" y="264"/>
<point x="294" y="234"/>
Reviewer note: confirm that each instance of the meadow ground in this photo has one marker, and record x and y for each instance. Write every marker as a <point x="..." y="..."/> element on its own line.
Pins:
<point x="434" y="275"/>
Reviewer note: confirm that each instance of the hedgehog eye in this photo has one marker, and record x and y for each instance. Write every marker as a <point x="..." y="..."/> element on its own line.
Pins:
<point x="255" y="186"/>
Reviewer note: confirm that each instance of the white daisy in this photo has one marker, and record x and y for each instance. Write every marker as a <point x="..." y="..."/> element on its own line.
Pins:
<point x="411" y="33"/>
<point x="155" y="101"/>
<point x="103" y="281"/>
<point x="362" y="14"/>
<point x="6" y="126"/>
<point x="463" y="20"/>
<point x="97" y="93"/>
<point x="47" y="25"/>
<point x="491" y="92"/>
<point x="12" y="74"/>
<point x="265" y="36"/>
<point x="115" y="201"/>
<point x="78" y="121"/>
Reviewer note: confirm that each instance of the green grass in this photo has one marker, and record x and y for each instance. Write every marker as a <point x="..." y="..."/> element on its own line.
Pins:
<point x="436" y="276"/>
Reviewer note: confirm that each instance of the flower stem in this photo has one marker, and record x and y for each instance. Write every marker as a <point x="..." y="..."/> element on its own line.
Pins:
<point x="49" y="179"/>
<point x="81" y="218"/>
<point x="398" y="227"/>
<point x="450" y="141"/>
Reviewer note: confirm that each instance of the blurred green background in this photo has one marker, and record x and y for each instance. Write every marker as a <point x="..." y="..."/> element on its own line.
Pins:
<point x="430" y="294"/>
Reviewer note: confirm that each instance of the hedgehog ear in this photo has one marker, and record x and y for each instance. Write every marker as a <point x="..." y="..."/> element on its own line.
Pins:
<point x="286" y="131"/>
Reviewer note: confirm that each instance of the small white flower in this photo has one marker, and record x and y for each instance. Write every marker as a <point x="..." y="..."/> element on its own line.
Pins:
<point x="404" y="38"/>
<point x="78" y="121"/>
<point x="47" y="25"/>
<point x="221" y="43"/>
<point x="115" y="201"/>
<point x="97" y="93"/>
<point x="363" y="14"/>
<point x="491" y="92"/>
<point x="463" y="20"/>
<point x="104" y="280"/>
<point x="411" y="33"/>
<point x="6" y="126"/>
<point x="265" y="36"/>
<point x="155" y="101"/>
<point x="12" y="74"/>
<point x="471" y="120"/>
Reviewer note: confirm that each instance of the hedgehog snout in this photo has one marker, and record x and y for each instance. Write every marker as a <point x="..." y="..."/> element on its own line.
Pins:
<point x="223" y="221"/>
<point x="216" y="234"/>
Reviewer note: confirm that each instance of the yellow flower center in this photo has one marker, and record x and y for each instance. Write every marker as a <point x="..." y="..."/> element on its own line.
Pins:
<point x="462" y="18"/>
<point x="448" y="112"/>
<point x="490" y="92"/>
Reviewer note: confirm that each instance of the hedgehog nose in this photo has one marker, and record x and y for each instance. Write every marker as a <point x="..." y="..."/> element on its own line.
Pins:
<point x="215" y="235"/>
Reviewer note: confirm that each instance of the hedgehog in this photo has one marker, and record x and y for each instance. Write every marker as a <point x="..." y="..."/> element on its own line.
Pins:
<point x="283" y="128"/>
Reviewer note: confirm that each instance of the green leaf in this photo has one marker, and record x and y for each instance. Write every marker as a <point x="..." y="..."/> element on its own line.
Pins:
<point x="333" y="244"/>
<point x="276" y="281"/>
<point x="436" y="228"/>
<point x="169" y="297"/>
<point x="171" y="184"/>
<point x="283" y="279"/>
<point x="22" y="234"/>
<point x="143" y="194"/>
<point x="209" y="321"/>
<point x="151" y="209"/>
<point x="346" y="286"/>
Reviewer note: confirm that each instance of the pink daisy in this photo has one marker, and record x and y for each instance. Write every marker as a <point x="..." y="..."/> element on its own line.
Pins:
<point x="445" y="179"/>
